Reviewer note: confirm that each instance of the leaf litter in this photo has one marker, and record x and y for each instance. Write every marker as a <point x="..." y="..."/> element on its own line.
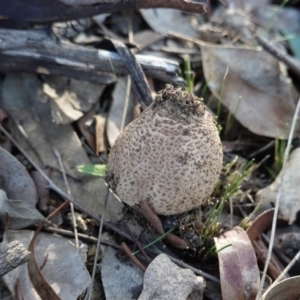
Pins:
<point x="252" y="92"/>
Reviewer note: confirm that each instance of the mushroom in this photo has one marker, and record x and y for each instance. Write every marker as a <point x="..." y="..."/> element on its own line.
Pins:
<point x="170" y="157"/>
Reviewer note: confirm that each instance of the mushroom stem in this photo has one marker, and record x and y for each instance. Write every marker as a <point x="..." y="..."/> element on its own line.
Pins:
<point x="149" y="214"/>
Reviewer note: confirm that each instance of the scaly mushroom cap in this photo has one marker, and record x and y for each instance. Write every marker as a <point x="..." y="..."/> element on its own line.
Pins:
<point x="171" y="156"/>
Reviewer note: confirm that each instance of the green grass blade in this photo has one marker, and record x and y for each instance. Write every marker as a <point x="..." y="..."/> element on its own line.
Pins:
<point x="96" y="170"/>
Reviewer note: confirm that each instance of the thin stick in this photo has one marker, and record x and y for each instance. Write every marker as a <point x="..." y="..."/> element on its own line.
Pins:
<point x="57" y="209"/>
<point x="81" y="235"/>
<point x="127" y="97"/>
<point x="136" y="241"/>
<point x="287" y="268"/>
<point x="278" y="198"/>
<point x="98" y="247"/>
<point x="278" y="54"/>
<point x="69" y="193"/>
<point x="128" y="85"/>
<point x="132" y="257"/>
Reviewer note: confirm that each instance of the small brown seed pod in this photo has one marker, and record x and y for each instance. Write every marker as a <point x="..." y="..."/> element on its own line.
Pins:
<point x="171" y="156"/>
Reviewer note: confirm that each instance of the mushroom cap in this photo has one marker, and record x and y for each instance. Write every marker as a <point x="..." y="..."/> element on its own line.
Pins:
<point x="171" y="156"/>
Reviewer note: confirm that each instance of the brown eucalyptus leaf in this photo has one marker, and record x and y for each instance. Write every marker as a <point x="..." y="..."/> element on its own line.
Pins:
<point x="239" y="272"/>
<point x="40" y="284"/>
<point x="249" y="83"/>
<point x="260" y="224"/>
<point x="287" y="289"/>
<point x="289" y="202"/>
<point x="15" y="180"/>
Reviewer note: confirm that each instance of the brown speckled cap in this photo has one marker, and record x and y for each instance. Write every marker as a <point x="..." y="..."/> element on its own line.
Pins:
<point x="171" y="156"/>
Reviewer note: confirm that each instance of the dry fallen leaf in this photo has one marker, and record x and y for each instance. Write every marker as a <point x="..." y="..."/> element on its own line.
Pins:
<point x="239" y="272"/>
<point x="287" y="289"/>
<point x="249" y="83"/>
<point x="260" y="224"/>
<point x="289" y="204"/>
<point x="164" y="280"/>
<point x="164" y="20"/>
<point x="20" y="213"/>
<point x="70" y="98"/>
<point x="15" y="180"/>
<point x="63" y="267"/>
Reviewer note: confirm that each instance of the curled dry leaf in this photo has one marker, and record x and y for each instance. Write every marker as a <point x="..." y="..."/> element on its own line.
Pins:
<point x="249" y="83"/>
<point x="262" y="223"/>
<point x="63" y="267"/>
<point x="239" y="272"/>
<point x="287" y="289"/>
<point x="164" y="280"/>
<point x="70" y="98"/>
<point x="289" y="202"/>
<point x="20" y="213"/>
<point x="100" y="121"/>
<point x="15" y="180"/>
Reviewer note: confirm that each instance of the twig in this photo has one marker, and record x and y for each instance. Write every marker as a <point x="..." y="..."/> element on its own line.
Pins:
<point x="128" y="85"/>
<point x="132" y="257"/>
<point x="62" y="10"/>
<point x="287" y="268"/>
<point x="80" y="235"/>
<point x="138" y="79"/>
<point x="37" y="51"/>
<point x="74" y="223"/>
<point x="135" y="241"/>
<point x="280" y="55"/>
<point x="12" y="256"/>
<point x="98" y="247"/>
<point x="57" y="209"/>
<point x="278" y="198"/>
